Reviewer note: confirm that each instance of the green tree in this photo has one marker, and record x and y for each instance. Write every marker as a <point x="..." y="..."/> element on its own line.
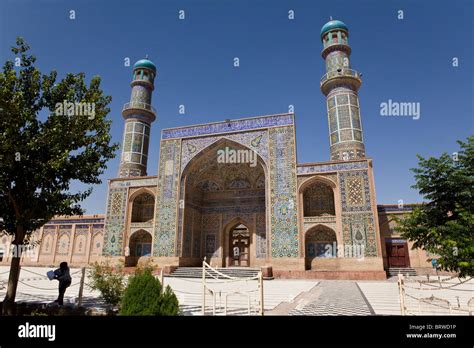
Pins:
<point x="144" y="296"/>
<point x="43" y="148"/>
<point x="445" y="225"/>
<point x="109" y="280"/>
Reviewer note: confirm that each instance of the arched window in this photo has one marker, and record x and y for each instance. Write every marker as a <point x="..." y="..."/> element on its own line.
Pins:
<point x="318" y="200"/>
<point x="143" y="208"/>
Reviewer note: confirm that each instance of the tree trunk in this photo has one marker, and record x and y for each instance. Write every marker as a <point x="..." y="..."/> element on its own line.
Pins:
<point x="9" y="301"/>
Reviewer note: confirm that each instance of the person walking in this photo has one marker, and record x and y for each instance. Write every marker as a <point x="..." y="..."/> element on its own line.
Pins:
<point x="63" y="276"/>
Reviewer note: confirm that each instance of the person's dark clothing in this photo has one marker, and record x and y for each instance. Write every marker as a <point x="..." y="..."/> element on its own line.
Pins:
<point x="62" y="274"/>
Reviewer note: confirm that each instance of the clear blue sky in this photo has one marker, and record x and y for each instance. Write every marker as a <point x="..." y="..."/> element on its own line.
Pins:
<point x="407" y="60"/>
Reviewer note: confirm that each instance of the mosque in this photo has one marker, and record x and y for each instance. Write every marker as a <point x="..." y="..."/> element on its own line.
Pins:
<point x="259" y="209"/>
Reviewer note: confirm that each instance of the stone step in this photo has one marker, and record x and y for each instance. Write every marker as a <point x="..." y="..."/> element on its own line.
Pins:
<point x="394" y="271"/>
<point x="196" y="272"/>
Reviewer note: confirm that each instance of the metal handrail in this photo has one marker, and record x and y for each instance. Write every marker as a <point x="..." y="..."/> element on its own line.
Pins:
<point x="338" y="73"/>
<point x="139" y="105"/>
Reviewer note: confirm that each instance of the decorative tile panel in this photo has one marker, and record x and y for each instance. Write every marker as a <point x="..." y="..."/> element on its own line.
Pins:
<point x="257" y="141"/>
<point x="115" y="221"/>
<point x="211" y="227"/>
<point x="355" y="191"/>
<point x="332" y="167"/>
<point x="167" y="199"/>
<point x="134" y="183"/>
<point x="359" y="229"/>
<point x="284" y="235"/>
<point x="261" y="247"/>
<point x="232" y="126"/>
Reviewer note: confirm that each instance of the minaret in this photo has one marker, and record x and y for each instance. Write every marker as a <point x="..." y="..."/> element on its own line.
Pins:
<point x="138" y="115"/>
<point x="340" y="85"/>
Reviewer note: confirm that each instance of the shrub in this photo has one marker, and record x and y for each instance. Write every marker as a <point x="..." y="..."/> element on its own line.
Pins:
<point x="144" y="296"/>
<point x="109" y="281"/>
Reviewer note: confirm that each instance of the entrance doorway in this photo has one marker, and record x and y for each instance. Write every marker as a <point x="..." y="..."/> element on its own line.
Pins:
<point x="140" y="245"/>
<point x="239" y="248"/>
<point x="397" y="253"/>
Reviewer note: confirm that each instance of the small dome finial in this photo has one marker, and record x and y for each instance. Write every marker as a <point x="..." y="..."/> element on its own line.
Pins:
<point x="146" y="56"/>
<point x="330" y="18"/>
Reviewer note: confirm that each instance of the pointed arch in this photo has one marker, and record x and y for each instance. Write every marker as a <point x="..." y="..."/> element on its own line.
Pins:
<point x="226" y="238"/>
<point x="142" y="205"/>
<point x="214" y="146"/>
<point x="139" y="244"/>
<point x="205" y="179"/>
<point x="320" y="241"/>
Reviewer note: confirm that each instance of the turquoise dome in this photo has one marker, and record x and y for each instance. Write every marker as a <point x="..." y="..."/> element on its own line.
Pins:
<point x="145" y="63"/>
<point x="331" y="25"/>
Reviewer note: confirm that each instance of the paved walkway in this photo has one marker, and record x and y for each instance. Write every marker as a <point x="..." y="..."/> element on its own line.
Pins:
<point x="334" y="297"/>
<point x="282" y="297"/>
<point x="34" y="286"/>
<point x="385" y="300"/>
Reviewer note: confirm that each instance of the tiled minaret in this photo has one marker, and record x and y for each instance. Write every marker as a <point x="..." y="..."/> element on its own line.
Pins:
<point x="138" y="115"/>
<point x="340" y="85"/>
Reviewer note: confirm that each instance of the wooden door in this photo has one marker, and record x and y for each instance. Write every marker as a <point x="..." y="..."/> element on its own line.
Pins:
<point x="397" y="255"/>
<point x="240" y="247"/>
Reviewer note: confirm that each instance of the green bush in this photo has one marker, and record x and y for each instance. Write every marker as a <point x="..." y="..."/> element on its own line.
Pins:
<point x="144" y="296"/>
<point x="109" y="280"/>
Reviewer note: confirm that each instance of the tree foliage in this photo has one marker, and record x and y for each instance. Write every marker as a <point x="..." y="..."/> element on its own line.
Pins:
<point x="43" y="151"/>
<point x="445" y="225"/>
<point x="144" y="296"/>
<point x="109" y="281"/>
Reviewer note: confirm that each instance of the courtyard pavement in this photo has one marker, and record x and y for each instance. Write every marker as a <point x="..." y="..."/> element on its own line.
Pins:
<point x="34" y="286"/>
<point x="281" y="296"/>
<point x="336" y="297"/>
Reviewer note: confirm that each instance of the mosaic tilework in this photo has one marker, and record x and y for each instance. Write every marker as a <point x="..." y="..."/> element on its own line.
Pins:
<point x="318" y="199"/>
<point x="166" y="202"/>
<point x="211" y="228"/>
<point x="284" y="237"/>
<point x="358" y="224"/>
<point x="302" y="179"/>
<point x="257" y="141"/>
<point x="261" y="248"/>
<point x="134" y="183"/>
<point x="73" y="221"/>
<point x="196" y="234"/>
<point x="321" y="233"/>
<point x="187" y="234"/>
<point x="331" y="167"/>
<point x="359" y="228"/>
<point x="246" y="216"/>
<point x="211" y="244"/>
<point x="245" y="124"/>
<point x="181" y="218"/>
<point x="355" y="191"/>
<point x="115" y="221"/>
<point x="237" y="211"/>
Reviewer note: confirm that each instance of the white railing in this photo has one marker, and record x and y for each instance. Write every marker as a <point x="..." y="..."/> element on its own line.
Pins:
<point x="239" y="290"/>
<point x="413" y="300"/>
